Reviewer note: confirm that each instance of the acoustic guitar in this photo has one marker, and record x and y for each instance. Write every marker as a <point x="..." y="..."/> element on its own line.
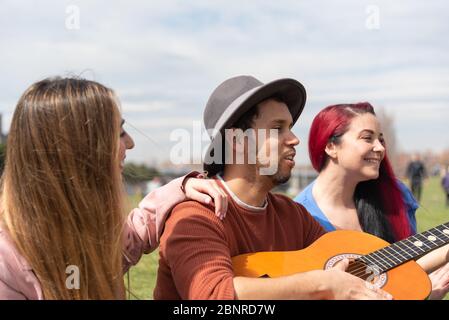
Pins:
<point x="387" y="266"/>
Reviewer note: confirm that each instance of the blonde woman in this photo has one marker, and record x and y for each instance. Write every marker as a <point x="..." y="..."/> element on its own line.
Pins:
<point x="62" y="197"/>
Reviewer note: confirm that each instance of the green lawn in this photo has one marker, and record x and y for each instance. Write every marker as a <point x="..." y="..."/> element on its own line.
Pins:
<point x="433" y="210"/>
<point x="431" y="213"/>
<point x="142" y="277"/>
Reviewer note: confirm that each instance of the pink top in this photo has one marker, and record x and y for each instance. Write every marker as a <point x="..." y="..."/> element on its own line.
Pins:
<point x="143" y="227"/>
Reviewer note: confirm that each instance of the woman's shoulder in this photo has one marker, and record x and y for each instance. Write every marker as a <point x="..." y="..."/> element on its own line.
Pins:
<point x="305" y="195"/>
<point x="411" y="205"/>
<point x="16" y="276"/>
<point x="407" y="195"/>
<point x="11" y="261"/>
<point x="8" y="251"/>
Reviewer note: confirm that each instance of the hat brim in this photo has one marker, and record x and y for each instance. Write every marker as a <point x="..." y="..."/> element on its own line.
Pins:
<point x="292" y="92"/>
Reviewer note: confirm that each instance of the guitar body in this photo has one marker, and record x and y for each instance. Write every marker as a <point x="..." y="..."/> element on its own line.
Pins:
<point x="405" y="282"/>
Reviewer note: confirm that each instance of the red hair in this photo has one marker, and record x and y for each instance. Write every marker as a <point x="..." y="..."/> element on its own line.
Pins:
<point x="328" y="126"/>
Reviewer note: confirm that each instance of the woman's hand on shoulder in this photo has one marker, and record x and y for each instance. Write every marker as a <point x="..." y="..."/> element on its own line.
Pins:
<point x="207" y="191"/>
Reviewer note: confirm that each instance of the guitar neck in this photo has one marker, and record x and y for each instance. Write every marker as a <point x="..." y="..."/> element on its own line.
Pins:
<point x="408" y="249"/>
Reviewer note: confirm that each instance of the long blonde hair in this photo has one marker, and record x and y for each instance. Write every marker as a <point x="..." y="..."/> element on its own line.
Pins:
<point x="62" y="189"/>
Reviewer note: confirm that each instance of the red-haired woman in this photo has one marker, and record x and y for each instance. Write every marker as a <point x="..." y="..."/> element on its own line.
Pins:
<point x="356" y="188"/>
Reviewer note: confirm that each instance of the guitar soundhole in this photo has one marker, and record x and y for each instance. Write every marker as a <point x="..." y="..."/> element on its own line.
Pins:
<point x="359" y="269"/>
<point x="362" y="270"/>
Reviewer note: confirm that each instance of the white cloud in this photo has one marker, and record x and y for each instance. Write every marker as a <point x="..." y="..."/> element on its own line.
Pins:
<point x="146" y="106"/>
<point x="164" y="58"/>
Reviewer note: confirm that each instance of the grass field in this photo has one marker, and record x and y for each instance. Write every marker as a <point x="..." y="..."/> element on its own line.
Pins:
<point x="431" y="213"/>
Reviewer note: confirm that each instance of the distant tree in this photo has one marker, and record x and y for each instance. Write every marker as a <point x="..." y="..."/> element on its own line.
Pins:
<point x="136" y="173"/>
<point x="2" y="156"/>
<point x="387" y="123"/>
<point x="444" y="158"/>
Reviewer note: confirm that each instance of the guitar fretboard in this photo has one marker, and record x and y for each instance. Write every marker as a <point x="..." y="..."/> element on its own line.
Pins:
<point x="408" y="249"/>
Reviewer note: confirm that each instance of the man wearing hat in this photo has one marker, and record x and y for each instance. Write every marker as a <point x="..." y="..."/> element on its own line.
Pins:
<point x="196" y="246"/>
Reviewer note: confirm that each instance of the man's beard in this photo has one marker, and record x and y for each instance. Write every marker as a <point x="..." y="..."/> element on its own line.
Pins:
<point x="280" y="178"/>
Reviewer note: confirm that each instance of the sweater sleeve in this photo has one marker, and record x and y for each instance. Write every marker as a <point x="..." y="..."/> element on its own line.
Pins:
<point x="17" y="280"/>
<point x="195" y="249"/>
<point x="145" y="223"/>
<point x="8" y="293"/>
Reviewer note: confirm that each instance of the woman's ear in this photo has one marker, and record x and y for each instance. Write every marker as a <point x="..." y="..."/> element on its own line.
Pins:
<point x="331" y="150"/>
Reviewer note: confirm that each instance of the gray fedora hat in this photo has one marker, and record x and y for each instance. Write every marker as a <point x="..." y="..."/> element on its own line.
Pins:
<point x="234" y="97"/>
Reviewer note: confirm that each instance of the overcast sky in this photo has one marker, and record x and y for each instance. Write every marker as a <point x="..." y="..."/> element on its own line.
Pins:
<point x="164" y="58"/>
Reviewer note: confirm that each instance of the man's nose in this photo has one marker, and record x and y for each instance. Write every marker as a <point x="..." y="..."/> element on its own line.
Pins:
<point x="292" y="139"/>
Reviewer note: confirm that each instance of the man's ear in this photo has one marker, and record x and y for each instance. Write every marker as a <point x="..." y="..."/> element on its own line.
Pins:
<point x="331" y="150"/>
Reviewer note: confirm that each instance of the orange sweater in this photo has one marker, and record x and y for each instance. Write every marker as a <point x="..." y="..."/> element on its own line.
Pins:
<point x="196" y="247"/>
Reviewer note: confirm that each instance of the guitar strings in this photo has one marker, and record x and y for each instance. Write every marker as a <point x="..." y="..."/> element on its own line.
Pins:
<point x="361" y="270"/>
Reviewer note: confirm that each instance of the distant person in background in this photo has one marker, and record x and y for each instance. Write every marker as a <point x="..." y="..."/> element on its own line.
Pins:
<point x="416" y="172"/>
<point x="445" y="184"/>
<point x="153" y="184"/>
